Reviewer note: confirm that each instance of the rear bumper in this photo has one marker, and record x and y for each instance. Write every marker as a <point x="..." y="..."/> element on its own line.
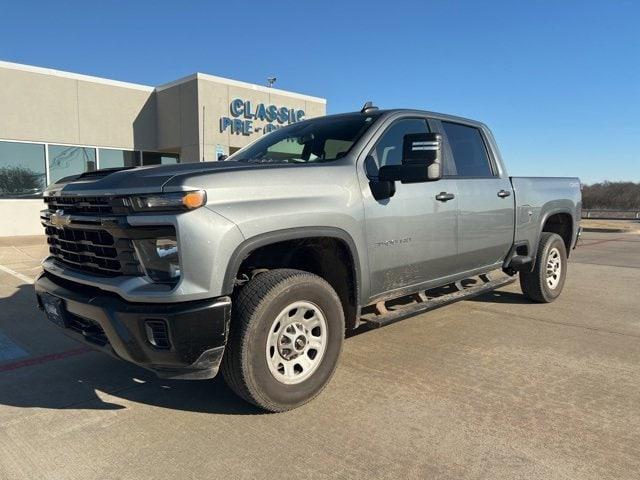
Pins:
<point x="175" y="340"/>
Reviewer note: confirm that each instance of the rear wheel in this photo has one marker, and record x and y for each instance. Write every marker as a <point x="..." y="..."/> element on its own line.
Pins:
<point x="285" y="339"/>
<point x="544" y="284"/>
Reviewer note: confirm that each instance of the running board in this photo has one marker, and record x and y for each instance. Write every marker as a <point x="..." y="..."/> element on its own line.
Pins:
<point x="385" y="313"/>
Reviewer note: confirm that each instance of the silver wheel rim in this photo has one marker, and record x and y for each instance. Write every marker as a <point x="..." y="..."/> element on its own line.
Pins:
<point x="554" y="268"/>
<point x="296" y="343"/>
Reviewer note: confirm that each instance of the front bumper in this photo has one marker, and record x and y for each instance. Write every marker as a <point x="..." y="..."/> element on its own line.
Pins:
<point x="175" y="340"/>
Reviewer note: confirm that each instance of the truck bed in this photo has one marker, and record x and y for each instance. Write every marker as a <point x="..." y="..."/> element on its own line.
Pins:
<point x="537" y="199"/>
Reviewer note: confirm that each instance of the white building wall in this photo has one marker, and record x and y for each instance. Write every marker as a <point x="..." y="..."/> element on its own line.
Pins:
<point x="20" y="217"/>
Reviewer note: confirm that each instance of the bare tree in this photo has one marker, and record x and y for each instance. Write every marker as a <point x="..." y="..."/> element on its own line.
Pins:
<point x="20" y="181"/>
<point x="611" y="196"/>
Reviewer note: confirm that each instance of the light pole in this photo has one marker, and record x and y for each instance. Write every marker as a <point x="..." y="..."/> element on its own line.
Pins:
<point x="271" y="81"/>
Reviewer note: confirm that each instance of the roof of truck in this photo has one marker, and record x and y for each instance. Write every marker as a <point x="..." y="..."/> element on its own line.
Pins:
<point x="439" y="116"/>
<point x="391" y="111"/>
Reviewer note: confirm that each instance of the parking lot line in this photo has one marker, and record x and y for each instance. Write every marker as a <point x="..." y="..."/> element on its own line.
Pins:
<point x="44" y="359"/>
<point x="9" y="350"/>
<point x="19" y="276"/>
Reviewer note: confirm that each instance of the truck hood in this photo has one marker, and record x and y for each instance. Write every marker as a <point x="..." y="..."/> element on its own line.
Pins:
<point x="127" y="181"/>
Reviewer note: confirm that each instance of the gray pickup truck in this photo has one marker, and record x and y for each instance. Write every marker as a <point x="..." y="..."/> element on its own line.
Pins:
<point x="258" y="264"/>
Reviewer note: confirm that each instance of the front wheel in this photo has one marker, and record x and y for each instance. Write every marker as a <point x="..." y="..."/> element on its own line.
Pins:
<point x="544" y="284"/>
<point x="285" y="339"/>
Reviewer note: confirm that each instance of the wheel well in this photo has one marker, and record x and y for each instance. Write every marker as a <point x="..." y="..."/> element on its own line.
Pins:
<point x="327" y="257"/>
<point x="562" y="224"/>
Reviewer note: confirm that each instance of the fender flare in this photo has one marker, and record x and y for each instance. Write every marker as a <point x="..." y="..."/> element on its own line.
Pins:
<point x="544" y="218"/>
<point x="261" y="240"/>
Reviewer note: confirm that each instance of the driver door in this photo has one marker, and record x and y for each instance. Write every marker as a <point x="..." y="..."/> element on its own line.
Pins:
<point x="412" y="238"/>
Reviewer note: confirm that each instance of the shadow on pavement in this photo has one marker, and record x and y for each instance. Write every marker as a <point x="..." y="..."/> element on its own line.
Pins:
<point x="500" y="296"/>
<point x="92" y="380"/>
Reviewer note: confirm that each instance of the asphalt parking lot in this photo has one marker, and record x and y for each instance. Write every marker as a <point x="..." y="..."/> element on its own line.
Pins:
<point x="494" y="387"/>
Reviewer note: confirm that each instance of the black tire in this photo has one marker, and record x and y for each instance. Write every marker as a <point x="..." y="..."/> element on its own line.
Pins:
<point x="257" y="305"/>
<point x="534" y="284"/>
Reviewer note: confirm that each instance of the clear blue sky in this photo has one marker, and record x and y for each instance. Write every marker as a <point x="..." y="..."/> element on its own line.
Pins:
<point x="557" y="81"/>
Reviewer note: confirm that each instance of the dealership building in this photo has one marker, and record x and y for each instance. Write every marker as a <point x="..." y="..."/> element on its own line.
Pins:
<point x="54" y="124"/>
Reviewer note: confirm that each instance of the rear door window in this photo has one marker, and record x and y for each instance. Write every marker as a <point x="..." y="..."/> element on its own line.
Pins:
<point x="468" y="149"/>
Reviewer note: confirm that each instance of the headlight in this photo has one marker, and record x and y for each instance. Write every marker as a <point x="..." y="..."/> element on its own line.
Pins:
<point x="168" y="201"/>
<point x="159" y="258"/>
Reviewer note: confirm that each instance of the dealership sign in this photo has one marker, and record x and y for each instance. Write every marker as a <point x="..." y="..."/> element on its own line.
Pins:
<point x="244" y="114"/>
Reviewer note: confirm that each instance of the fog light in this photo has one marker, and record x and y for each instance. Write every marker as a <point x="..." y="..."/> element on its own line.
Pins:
<point x="159" y="258"/>
<point x="157" y="333"/>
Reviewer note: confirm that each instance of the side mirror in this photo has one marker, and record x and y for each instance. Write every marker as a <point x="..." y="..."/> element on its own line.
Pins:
<point x="424" y="149"/>
<point x="421" y="160"/>
<point x="381" y="189"/>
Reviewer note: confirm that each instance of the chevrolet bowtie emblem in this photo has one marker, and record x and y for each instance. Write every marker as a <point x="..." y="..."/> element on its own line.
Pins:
<point x="60" y="219"/>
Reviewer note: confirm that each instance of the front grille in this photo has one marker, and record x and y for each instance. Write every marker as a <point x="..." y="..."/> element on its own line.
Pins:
<point x="92" y="250"/>
<point x="91" y="234"/>
<point x="87" y="205"/>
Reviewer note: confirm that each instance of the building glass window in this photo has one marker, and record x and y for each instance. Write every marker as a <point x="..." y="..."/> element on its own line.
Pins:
<point x="67" y="160"/>
<point x="156" y="158"/>
<point x="118" y="158"/>
<point x="22" y="170"/>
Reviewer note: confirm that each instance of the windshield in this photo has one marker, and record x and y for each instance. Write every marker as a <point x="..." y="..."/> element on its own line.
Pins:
<point x="313" y="141"/>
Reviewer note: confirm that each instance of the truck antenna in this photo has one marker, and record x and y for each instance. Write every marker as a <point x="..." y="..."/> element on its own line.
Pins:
<point x="368" y="107"/>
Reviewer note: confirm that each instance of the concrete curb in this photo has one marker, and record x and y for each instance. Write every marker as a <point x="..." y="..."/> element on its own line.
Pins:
<point x="604" y="230"/>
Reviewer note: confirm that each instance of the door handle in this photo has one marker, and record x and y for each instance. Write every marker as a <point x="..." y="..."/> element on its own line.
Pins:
<point x="445" y="197"/>
<point x="504" y="193"/>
